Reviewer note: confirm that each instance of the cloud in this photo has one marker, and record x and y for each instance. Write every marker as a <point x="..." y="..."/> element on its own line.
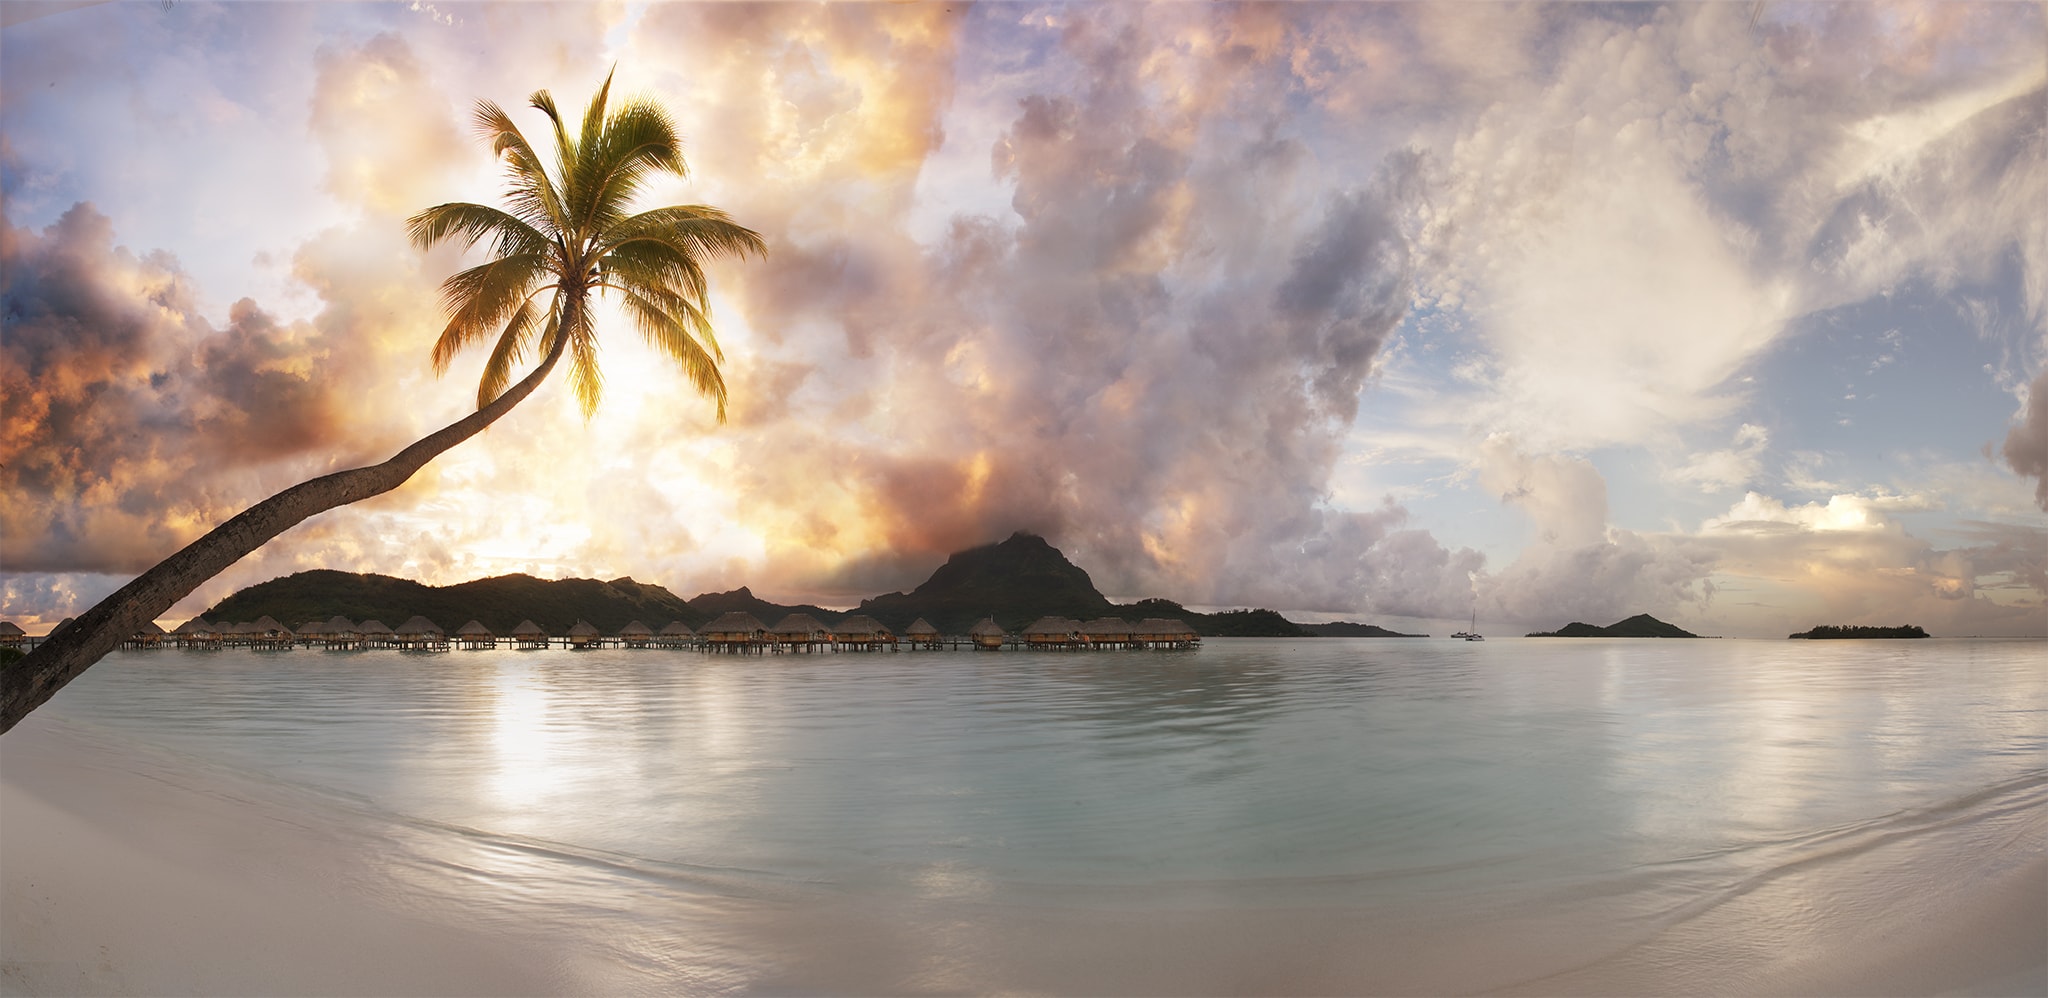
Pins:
<point x="1139" y="357"/>
<point x="130" y="422"/>
<point x="1579" y="566"/>
<point x="1852" y="560"/>
<point x="2026" y="443"/>
<point x="1731" y="467"/>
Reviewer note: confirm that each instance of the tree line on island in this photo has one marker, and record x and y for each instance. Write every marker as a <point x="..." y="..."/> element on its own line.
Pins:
<point x="1016" y="581"/>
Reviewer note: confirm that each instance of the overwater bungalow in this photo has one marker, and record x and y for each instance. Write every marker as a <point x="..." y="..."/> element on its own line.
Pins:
<point x="1053" y="632"/>
<point x="196" y="633"/>
<point x="420" y="634"/>
<point x="342" y="633"/>
<point x="529" y="635"/>
<point x="312" y="632"/>
<point x="675" y="634"/>
<point x="474" y="635"/>
<point x="583" y="635"/>
<point x="922" y="634"/>
<point x="862" y="633"/>
<point x="1107" y="632"/>
<point x="987" y="635"/>
<point x="375" y="634"/>
<point x="735" y="631"/>
<point x="799" y="632"/>
<point x="1159" y="632"/>
<point x="11" y="634"/>
<point x="147" y="636"/>
<point x="267" y="633"/>
<point x="636" y="635"/>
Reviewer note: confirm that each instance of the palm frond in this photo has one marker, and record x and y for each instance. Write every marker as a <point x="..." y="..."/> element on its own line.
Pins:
<point x="647" y="265"/>
<point x="510" y="350"/>
<point x="680" y="330"/>
<point x="693" y="229"/>
<point x="482" y="297"/>
<point x="472" y="222"/>
<point x="534" y="196"/>
<point x="585" y="378"/>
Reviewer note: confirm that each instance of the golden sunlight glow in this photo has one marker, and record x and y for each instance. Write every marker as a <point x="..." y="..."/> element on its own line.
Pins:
<point x="520" y="737"/>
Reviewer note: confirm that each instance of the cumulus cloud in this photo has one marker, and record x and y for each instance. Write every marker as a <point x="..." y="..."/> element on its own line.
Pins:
<point x="1730" y="467"/>
<point x="1139" y="358"/>
<point x="1853" y="560"/>
<point x="128" y="418"/>
<point x="2026" y="443"/>
<point x="1125" y="276"/>
<point x="1578" y="566"/>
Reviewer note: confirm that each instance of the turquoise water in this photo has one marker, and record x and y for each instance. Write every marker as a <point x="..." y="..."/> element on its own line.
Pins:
<point x="950" y="819"/>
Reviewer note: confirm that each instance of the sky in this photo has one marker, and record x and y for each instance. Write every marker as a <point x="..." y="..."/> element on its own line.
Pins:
<point x="1731" y="313"/>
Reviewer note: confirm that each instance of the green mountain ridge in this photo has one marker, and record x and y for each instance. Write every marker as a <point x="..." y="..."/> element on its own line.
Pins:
<point x="1017" y="581"/>
<point x="1641" y="625"/>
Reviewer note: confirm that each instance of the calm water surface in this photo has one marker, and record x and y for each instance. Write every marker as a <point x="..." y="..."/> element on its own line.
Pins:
<point x="621" y="794"/>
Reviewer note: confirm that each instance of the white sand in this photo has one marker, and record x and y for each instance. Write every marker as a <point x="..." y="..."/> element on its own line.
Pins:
<point x="123" y="878"/>
<point x="129" y="873"/>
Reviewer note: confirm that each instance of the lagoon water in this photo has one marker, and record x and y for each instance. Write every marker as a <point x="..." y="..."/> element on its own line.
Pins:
<point x="1395" y="816"/>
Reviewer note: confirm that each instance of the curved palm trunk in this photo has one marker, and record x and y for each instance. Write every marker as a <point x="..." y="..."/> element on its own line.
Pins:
<point x="26" y="684"/>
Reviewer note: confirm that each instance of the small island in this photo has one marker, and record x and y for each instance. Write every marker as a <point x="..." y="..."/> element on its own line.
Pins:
<point x="1641" y="625"/>
<point x="1847" y="631"/>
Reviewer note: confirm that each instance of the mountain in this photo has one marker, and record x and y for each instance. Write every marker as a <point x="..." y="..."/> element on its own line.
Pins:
<point x="500" y="603"/>
<point x="1641" y="625"/>
<point x="1017" y="581"/>
<point x="743" y="600"/>
<point x="1347" y="629"/>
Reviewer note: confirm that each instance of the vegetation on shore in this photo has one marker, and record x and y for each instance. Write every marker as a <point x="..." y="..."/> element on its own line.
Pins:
<point x="1641" y="625"/>
<point x="1016" y="581"/>
<point x="1859" y="631"/>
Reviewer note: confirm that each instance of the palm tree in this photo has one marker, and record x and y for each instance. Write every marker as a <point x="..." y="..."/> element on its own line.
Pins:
<point x="566" y="235"/>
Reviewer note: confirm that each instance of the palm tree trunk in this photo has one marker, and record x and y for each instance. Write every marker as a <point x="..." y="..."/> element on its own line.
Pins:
<point x="63" y="656"/>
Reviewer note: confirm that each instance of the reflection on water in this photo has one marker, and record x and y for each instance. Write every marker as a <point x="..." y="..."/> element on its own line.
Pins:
<point x="719" y="796"/>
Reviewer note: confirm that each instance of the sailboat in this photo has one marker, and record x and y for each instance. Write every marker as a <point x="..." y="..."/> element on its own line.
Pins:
<point x="1473" y="634"/>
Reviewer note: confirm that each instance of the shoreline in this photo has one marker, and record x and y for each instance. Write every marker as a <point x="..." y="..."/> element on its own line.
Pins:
<point x="129" y="871"/>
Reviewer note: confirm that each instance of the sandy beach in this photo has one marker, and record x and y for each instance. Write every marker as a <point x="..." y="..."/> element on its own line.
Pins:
<point x="139" y="873"/>
<point x="124" y="875"/>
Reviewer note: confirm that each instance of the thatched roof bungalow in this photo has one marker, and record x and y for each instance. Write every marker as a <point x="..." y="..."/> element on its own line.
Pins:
<point x="1052" y="632"/>
<point x="420" y="633"/>
<point x="800" y="630"/>
<point x="636" y="634"/>
<point x="374" y="633"/>
<point x="475" y="635"/>
<point x="987" y="634"/>
<point x="342" y="632"/>
<point x="147" y="636"/>
<point x="675" y="634"/>
<point x="1160" y="632"/>
<point x="270" y="631"/>
<point x="11" y="634"/>
<point x="196" y="632"/>
<point x="529" y="635"/>
<point x="735" y="631"/>
<point x="583" y="635"/>
<point x="862" y="632"/>
<point x="1112" y="632"/>
<point x="922" y="634"/>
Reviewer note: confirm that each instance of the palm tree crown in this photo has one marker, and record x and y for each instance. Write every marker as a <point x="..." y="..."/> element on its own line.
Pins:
<point x="569" y="232"/>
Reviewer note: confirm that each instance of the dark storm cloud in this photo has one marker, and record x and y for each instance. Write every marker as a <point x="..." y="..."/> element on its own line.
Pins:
<point x="125" y="417"/>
